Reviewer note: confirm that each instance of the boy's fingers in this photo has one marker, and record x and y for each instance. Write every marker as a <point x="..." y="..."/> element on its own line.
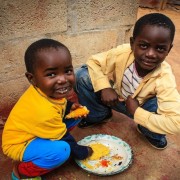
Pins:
<point x="120" y="99"/>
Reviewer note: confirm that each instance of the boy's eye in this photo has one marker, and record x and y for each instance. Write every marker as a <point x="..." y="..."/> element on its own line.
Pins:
<point x="161" y="49"/>
<point x="69" y="71"/>
<point x="143" y="46"/>
<point x="51" y="74"/>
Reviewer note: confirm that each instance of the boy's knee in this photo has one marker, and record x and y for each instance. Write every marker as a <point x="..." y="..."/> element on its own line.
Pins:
<point x="62" y="153"/>
<point x="81" y="73"/>
<point x="64" y="150"/>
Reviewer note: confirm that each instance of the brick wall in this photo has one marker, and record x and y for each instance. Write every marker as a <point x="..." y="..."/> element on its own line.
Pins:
<point x="84" y="26"/>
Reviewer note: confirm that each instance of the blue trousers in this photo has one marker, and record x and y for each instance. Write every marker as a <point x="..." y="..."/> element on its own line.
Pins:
<point x="49" y="154"/>
<point x="98" y="111"/>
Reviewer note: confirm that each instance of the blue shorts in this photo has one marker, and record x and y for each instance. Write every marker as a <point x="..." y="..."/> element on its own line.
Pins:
<point x="49" y="154"/>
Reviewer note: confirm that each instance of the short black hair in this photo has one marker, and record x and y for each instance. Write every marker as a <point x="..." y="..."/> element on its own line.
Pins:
<point x="156" y="19"/>
<point x="31" y="52"/>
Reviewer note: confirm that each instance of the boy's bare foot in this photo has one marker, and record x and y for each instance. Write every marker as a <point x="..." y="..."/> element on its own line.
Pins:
<point x="15" y="169"/>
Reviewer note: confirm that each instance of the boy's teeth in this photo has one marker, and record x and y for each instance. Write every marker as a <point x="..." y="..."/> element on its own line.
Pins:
<point x="62" y="91"/>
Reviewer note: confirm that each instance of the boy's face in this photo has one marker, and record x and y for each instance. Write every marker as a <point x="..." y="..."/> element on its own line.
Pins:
<point x="53" y="73"/>
<point x="150" y="48"/>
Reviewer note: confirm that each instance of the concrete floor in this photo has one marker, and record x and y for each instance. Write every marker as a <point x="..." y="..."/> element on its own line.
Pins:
<point x="148" y="163"/>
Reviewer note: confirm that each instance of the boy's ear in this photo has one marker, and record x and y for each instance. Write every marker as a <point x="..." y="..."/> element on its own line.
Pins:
<point x="170" y="48"/>
<point x="30" y="76"/>
<point x="131" y="42"/>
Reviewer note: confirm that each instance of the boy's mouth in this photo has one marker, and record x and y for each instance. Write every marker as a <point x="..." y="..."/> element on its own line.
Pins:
<point x="148" y="63"/>
<point x="62" y="90"/>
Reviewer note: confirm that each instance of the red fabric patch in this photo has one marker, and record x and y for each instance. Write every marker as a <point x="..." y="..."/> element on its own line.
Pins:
<point x="31" y="170"/>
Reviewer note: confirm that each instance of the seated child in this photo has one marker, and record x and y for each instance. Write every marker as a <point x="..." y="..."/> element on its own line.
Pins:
<point x="135" y="79"/>
<point x="35" y="134"/>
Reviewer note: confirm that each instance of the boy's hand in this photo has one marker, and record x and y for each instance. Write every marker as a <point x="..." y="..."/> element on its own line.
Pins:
<point x="77" y="111"/>
<point x="131" y="105"/>
<point x="109" y="97"/>
<point x="75" y="106"/>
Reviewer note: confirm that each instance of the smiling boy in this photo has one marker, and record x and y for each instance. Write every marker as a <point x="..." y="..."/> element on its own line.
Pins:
<point x="134" y="79"/>
<point x="36" y="133"/>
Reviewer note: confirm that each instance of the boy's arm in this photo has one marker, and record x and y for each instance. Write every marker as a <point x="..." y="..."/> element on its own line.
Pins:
<point x="51" y="128"/>
<point x="167" y="119"/>
<point x="162" y="124"/>
<point x="159" y="123"/>
<point x="100" y="66"/>
<point x="68" y="107"/>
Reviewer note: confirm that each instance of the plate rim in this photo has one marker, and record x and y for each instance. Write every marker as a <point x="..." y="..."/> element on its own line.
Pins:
<point x="111" y="173"/>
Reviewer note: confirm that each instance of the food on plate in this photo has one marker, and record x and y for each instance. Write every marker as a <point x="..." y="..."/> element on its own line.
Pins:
<point x="81" y="111"/>
<point x="99" y="150"/>
<point x="110" y="156"/>
<point x="86" y="164"/>
<point x="105" y="163"/>
<point x="117" y="157"/>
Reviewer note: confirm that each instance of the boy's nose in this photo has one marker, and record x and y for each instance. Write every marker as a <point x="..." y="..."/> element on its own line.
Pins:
<point x="151" y="53"/>
<point x="61" y="79"/>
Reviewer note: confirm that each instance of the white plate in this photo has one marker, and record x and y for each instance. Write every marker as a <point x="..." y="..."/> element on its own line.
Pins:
<point x="117" y="147"/>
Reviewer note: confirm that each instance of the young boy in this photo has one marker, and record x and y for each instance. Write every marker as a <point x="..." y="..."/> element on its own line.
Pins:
<point x="35" y="133"/>
<point x="135" y="80"/>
